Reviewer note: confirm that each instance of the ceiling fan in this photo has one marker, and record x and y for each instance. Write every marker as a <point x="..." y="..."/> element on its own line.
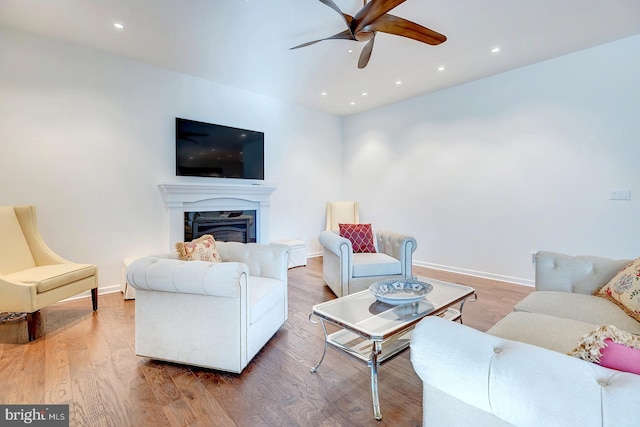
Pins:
<point x="373" y="17"/>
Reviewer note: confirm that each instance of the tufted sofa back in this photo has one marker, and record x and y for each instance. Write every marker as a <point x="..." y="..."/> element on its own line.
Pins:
<point x="262" y="260"/>
<point x="579" y="274"/>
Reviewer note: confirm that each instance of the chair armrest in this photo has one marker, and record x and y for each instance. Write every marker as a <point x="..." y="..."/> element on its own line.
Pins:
<point x="399" y="246"/>
<point x="522" y="384"/>
<point x="334" y="243"/>
<point x="17" y="296"/>
<point x="192" y="277"/>
<point x="580" y="274"/>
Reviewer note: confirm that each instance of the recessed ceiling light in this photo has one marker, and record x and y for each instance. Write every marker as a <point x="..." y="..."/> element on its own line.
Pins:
<point x="441" y="68"/>
<point x="495" y="50"/>
<point x="398" y="82"/>
<point x="352" y="103"/>
<point x="323" y="93"/>
<point x="118" y="25"/>
<point x="364" y="94"/>
<point x="350" y="51"/>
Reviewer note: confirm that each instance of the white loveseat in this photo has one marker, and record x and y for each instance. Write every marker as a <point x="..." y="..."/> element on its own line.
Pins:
<point x="213" y="315"/>
<point x="518" y="373"/>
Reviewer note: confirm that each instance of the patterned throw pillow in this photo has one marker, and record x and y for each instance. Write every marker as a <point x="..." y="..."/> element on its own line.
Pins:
<point x="610" y="347"/>
<point x="624" y="290"/>
<point x="201" y="249"/>
<point x="360" y="236"/>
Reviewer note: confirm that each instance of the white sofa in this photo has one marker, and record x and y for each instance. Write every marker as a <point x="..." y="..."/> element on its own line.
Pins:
<point x="346" y="272"/>
<point x="518" y="373"/>
<point x="213" y="315"/>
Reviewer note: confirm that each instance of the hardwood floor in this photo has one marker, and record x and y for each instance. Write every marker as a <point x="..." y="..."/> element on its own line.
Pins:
<point x="87" y="360"/>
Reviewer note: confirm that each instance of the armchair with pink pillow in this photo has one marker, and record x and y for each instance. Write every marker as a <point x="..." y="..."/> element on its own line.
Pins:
<point x="355" y="256"/>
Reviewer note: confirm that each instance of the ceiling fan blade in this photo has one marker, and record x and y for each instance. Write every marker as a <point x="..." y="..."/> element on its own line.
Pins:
<point x="366" y="53"/>
<point x="372" y="11"/>
<point x="395" y="25"/>
<point x="347" y="18"/>
<point x="343" y="35"/>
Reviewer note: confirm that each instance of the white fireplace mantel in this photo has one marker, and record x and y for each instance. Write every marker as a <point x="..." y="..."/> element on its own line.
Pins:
<point x="189" y="197"/>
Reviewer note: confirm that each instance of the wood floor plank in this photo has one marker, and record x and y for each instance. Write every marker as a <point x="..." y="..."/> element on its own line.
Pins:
<point x="88" y="360"/>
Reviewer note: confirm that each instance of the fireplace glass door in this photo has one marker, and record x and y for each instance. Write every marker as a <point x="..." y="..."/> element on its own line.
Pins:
<point x="224" y="226"/>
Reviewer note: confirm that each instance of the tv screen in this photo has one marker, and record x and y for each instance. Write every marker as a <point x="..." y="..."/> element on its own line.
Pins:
<point x="206" y="149"/>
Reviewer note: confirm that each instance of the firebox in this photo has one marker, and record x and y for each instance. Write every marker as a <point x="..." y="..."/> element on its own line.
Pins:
<point x="224" y="226"/>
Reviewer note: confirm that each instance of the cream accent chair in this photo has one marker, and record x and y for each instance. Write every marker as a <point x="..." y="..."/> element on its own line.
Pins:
<point x="32" y="276"/>
<point x="346" y="272"/>
<point x="342" y="213"/>
<point x="213" y="315"/>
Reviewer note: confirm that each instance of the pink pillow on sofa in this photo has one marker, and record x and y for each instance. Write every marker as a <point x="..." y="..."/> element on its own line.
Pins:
<point x="610" y="347"/>
<point x="620" y="357"/>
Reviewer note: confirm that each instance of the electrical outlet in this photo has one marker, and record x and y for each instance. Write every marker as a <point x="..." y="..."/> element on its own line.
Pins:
<point x="619" y="195"/>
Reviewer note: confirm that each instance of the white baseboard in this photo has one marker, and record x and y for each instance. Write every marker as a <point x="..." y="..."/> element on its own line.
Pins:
<point x="482" y="274"/>
<point x="101" y="291"/>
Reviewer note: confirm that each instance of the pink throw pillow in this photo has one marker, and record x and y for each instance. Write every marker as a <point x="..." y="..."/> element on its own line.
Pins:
<point x="360" y="236"/>
<point x="620" y="357"/>
<point x="610" y="347"/>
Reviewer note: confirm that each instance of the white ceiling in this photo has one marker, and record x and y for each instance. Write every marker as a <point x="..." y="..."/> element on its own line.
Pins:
<point x="245" y="43"/>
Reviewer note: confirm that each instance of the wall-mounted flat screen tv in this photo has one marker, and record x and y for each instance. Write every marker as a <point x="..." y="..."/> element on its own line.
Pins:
<point x="210" y="150"/>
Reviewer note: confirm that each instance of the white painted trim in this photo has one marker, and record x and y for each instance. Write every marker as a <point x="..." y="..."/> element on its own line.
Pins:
<point x="101" y="291"/>
<point x="482" y="274"/>
<point x="189" y="197"/>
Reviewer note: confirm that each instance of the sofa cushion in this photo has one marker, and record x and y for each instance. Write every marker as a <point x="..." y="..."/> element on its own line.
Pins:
<point x="610" y="347"/>
<point x="264" y="295"/>
<point x="360" y="236"/>
<point x="47" y="277"/>
<point x="624" y="289"/>
<point x="550" y="332"/>
<point x="581" y="307"/>
<point x="375" y="264"/>
<point x="201" y="249"/>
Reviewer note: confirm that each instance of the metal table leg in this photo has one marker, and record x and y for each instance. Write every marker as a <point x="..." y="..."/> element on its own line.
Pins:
<point x="326" y="339"/>
<point x="475" y="298"/>
<point x="376" y="349"/>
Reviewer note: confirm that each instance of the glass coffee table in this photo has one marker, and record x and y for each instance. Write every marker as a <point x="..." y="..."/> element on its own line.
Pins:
<point x="374" y="332"/>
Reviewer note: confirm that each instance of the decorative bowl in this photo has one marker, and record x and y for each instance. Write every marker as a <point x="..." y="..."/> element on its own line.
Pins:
<point x="400" y="291"/>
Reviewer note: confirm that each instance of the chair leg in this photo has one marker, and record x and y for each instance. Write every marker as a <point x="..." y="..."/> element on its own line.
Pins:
<point x="94" y="298"/>
<point x="32" y="322"/>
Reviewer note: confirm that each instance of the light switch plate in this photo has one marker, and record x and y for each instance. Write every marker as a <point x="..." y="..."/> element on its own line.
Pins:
<point x="620" y="195"/>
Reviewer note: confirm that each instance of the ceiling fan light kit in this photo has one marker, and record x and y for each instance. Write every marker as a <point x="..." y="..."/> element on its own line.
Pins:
<point x="373" y="18"/>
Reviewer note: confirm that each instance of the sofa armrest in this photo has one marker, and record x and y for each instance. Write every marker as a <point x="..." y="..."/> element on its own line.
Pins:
<point x="519" y="383"/>
<point x="580" y="274"/>
<point x="191" y="277"/>
<point x="399" y="246"/>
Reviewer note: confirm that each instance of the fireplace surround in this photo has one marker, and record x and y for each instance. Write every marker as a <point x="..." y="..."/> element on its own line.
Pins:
<point x="181" y="198"/>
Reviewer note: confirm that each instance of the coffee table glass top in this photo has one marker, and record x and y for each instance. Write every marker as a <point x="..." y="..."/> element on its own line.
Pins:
<point x="362" y="313"/>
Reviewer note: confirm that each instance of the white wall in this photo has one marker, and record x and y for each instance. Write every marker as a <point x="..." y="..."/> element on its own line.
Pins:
<point x="87" y="137"/>
<point x="485" y="173"/>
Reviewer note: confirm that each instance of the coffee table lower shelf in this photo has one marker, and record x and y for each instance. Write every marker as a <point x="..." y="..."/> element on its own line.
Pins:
<point x="361" y="348"/>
